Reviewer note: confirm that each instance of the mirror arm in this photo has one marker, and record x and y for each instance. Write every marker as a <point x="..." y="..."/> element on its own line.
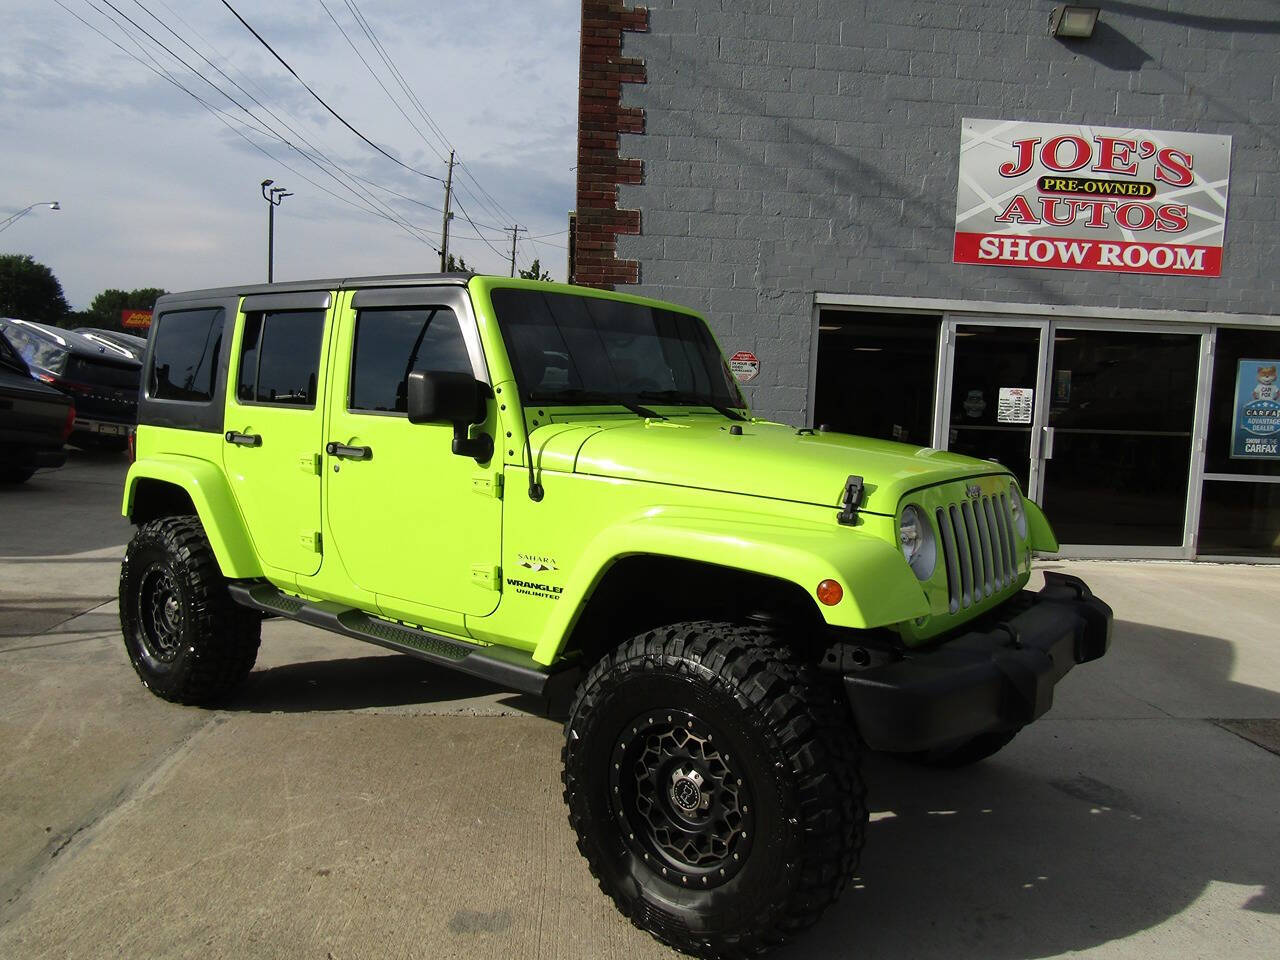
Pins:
<point x="480" y="448"/>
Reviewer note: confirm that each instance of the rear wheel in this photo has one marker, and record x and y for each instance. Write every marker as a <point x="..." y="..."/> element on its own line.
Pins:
<point x="712" y="779"/>
<point x="187" y="639"/>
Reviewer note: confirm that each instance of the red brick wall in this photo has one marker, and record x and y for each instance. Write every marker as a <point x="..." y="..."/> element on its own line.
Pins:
<point x="602" y="69"/>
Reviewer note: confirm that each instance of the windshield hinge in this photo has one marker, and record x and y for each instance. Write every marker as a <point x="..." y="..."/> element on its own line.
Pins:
<point x="486" y="576"/>
<point x="850" y="501"/>
<point x="487" y="485"/>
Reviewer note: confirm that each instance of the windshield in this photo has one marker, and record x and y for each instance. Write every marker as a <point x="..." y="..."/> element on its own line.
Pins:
<point x="9" y="357"/>
<point x="577" y="349"/>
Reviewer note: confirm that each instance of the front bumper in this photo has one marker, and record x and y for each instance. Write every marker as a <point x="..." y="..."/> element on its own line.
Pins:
<point x="999" y="678"/>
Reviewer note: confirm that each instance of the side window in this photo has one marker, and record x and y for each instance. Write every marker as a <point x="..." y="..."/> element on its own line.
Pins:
<point x="391" y="344"/>
<point x="184" y="362"/>
<point x="280" y="357"/>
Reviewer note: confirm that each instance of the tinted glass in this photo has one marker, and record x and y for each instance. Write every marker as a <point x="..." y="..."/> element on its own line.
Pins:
<point x="562" y="344"/>
<point x="390" y="344"/>
<point x="1261" y="351"/>
<point x="1241" y="519"/>
<point x="1122" y="407"/>
<point x="279" y="358"/>
<point x="185" y="360"/>
<point x="876" y="374"/>
<point x="38" y="350"/>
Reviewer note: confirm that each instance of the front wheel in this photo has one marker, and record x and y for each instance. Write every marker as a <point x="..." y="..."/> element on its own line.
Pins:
<point x="712" y="780"/>
<point x="187" y="639"/>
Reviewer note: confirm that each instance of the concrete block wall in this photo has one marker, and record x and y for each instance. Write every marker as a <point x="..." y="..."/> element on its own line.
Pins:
<point x="797" y="146"/>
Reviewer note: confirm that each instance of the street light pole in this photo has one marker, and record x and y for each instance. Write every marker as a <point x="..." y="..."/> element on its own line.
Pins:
<point x="11" y="220"/>
<point x="274" y="196"/>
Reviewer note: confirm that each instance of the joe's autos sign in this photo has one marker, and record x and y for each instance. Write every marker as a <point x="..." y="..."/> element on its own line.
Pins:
<point x="1091" y="198"/>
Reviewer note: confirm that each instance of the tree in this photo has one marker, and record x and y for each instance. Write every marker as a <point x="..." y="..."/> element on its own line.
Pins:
<point x="457" y="266"/>
<point x="30" y="291"/>
<point x="535" y="272"/>
<point x="104" y="310"/>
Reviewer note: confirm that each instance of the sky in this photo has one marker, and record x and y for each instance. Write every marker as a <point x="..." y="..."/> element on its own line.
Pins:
<point x="157" y="191"/>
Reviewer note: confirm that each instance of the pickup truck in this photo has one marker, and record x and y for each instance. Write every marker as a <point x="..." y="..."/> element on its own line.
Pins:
<point x="35" y="420"/>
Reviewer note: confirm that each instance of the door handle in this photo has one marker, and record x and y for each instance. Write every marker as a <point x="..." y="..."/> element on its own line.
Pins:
<point x="348" y="453"/>
<point x="244" y="439"/>
<point x="1048" y="443"/>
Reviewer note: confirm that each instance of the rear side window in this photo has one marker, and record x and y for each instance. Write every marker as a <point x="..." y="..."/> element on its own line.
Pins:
<point x="280" y="357"/>
<point x="391" y="344"/>
<point x="184" y="363"/>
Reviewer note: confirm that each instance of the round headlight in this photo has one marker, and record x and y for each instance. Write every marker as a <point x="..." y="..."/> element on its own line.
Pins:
<point x="1019" y="512"/>
<point x="918" y="543"/>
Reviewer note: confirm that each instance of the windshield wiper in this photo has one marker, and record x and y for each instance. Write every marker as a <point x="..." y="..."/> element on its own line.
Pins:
<point x="576" y="395"/>
<point x="675" y="396"/>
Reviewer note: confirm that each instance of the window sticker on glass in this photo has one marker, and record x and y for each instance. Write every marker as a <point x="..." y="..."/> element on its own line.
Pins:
<point x="1255" y="427"/>
<point x="1014" y="405"/>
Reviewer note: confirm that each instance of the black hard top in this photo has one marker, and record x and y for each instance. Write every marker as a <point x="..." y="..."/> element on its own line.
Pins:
<point x="332" y="283"/>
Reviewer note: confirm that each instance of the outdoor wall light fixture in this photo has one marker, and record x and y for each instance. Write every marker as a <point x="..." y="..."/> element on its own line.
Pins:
<point x="1067" y="22"/>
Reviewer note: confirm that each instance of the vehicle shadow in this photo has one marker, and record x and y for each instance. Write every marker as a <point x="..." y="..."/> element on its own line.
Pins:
<point x="377" y="681"/>
<point x="1122" y="809"/>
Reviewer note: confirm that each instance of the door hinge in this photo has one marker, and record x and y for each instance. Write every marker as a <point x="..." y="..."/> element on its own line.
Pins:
<point x="312" y="541"/>
<point x="487" y="485"/>
<point x="486" y="575"/>
<point x="310" y="464"/>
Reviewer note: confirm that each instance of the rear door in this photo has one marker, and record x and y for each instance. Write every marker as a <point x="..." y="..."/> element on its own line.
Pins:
<point x="274" y="424"/>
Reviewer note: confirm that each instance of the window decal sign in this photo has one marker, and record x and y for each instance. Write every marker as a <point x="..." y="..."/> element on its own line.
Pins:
<point x="1081" y="197"/>
<point x="1255" y="424"/>
<point x="744" y="366"/>
<point x="1015" y="404"/>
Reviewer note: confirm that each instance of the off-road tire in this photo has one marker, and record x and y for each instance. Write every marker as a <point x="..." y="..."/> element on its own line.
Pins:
<point x="773" y="724"/>
<point x="187" y="639"/>
<point x="966" y="752"/>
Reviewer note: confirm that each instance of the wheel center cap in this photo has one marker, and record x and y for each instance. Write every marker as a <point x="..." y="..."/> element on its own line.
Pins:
<point x="686" y="790"/>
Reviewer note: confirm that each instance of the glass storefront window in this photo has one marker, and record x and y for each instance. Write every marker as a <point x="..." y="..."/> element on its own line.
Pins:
<point x="876" y="374"/>
<point x="1241" y="516"/>
<point x="1240" y="519"/>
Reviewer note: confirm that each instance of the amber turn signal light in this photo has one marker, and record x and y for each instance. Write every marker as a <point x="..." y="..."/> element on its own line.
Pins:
<point x="830" y="592"/>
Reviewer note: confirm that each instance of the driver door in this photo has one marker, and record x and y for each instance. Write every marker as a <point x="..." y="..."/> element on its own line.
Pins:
<point x="411" y="522"/>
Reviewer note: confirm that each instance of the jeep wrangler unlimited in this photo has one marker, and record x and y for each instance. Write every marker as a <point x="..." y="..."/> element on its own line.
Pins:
<point x="562" y="490"/>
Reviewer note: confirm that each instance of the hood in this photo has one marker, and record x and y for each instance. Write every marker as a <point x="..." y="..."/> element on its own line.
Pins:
<point x="767" y="460"/>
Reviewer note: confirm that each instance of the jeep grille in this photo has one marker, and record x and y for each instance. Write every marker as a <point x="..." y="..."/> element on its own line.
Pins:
<point x="979" y="547"/>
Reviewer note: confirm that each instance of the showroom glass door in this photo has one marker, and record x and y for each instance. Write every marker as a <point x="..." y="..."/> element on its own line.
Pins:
<point x="1096" y="421"/>
<point x="1118" y="437"/>
<point x="994" y="380"/>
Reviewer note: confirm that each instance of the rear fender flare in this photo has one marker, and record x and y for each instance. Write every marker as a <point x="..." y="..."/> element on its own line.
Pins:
<point x="879" y="587"/>
<point x="219" y="515"/>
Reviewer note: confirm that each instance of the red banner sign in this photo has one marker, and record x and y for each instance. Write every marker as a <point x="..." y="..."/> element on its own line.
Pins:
<point x="135" y="319"/>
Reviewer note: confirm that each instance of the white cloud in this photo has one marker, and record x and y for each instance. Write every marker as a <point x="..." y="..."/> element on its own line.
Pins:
<point x="156" y="191"/>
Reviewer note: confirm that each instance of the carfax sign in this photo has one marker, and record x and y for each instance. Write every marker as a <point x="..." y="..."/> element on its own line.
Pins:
<point x="1255" y="424"/>
<point x="1091" y="198"/>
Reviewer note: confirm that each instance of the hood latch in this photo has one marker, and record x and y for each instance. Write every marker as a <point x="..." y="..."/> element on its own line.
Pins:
<point x="851" y="501"/>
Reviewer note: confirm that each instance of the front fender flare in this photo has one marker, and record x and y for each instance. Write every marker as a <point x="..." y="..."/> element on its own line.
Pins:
<point x="1040" y="533"/>
<point x="879" y="587"/>
<point x="205" y="484"/>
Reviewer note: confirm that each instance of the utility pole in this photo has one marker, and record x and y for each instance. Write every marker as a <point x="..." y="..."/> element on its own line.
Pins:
<point x="515" y="231"/>
<point x="274" y="197"/>
<point x="444" y="229"/>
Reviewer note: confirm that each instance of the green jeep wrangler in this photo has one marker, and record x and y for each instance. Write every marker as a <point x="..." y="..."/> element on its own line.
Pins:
<point x="562" y="490"/>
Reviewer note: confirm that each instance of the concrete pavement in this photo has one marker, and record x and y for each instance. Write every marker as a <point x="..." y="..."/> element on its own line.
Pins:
<point x="352" y="803"/>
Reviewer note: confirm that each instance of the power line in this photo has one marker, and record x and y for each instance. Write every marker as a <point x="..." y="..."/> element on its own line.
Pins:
<point x="227" y="122"/>
<point x="321" y="100"/>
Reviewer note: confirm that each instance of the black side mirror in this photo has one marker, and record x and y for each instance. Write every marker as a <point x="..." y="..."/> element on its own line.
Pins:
<point x="455" y="398"/>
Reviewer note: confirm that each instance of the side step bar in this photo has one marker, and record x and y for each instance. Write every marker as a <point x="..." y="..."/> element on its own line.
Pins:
<point x="504" y="666"/>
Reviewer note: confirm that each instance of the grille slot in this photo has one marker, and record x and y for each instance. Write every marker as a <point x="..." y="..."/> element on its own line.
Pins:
<point x="978" y="547"/>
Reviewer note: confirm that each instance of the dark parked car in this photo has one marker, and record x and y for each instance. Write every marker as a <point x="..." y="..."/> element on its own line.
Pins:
<point x="116" y="338"/>
<point x="102" y="379"/>
<point x="35" y="420"/>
